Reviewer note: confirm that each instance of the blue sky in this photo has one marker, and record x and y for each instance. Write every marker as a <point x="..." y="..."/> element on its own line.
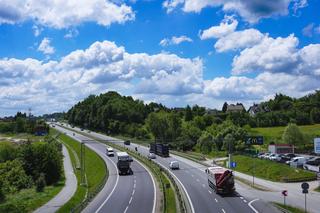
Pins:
<point x="176" y="52"/>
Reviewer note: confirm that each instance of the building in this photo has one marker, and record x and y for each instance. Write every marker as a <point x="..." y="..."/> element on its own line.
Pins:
<point x="256" y="108"/>
<point x="281" y="148"/>
<point x="235" y="108"/>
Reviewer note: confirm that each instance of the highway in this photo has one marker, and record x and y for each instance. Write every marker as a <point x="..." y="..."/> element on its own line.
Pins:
<point x="123" y="194"/>
<point x="194" y="181"/>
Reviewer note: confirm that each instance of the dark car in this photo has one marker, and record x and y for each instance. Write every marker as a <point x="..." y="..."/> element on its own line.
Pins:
<point x="287" y="157"/>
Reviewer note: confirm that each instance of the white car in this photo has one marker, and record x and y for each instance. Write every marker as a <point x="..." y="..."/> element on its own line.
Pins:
<point x="109" y="151"/>
<point x="266" y="155"/>
<point x="174" y="165"/>
<point x="297" y="162"/>
<point x="273" y="157"/>
<point x="151" y="155"/>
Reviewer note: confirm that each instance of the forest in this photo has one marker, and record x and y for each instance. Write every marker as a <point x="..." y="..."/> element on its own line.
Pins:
<point x="192" y="126"/>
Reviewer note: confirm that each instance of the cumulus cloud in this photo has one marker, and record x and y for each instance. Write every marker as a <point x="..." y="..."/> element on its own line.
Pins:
<point x="174" y="40"/>
<point x="227" y="26"/>
<point x="239" y="40"/>
<point x="62" y="14"/>
<point x="251" y="10"/>
<point x="102" y="66"/>
<point x="45" y="47"/>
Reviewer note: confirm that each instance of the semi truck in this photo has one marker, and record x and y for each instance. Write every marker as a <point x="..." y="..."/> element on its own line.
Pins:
<point x="159" y="149"/>
<point x="124" y="162"/>
<point x="221" y="180"/>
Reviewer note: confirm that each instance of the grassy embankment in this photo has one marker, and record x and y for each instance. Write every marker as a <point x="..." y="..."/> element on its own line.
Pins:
<point x="27" y="200"/>
<point x="96" y="173"/>
<point x="291" y="209"/>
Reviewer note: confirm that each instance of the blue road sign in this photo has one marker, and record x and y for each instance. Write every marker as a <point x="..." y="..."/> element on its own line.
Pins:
<point x="233" y="164"/>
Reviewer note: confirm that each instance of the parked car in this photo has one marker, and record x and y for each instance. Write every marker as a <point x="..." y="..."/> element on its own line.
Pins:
<point x="279" y="156"/>
<point x="297" y="162"/>
<point x="260" y="155"/>
<point x="151" y="155"/>
<point x="287" y="157"/>
<point x="266" y="155"/>
<point x="312" y="164"/>
<point x="273" y="157"/>
<point x="174" y="165"/>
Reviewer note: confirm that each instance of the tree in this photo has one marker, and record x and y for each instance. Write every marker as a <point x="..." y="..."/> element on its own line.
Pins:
<point x="315" y="115"/>
<point x="205" y="143"/>
<point x="40" y="183"/>
<point x="224" y="107"/>
<point x="157" y="124"/>
<point x="293" y="135"/>
<point x="229" y="142"/>
<point x="188" y="114"/>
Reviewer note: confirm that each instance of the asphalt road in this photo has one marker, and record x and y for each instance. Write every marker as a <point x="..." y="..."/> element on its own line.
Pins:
<point x="123" y="194"/>
<point x="194" y="180"/>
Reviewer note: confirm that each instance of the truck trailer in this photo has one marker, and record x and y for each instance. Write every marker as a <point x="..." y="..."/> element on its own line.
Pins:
<point x="124" y="162"/>
<point x="221" y="180"/>
<point x="159" y="149"/>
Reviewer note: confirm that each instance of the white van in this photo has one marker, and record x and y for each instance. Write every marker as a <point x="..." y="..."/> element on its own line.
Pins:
<point x="109" y="151"/>
<point x="297" y="162"/>
<point x="174" y="165"/>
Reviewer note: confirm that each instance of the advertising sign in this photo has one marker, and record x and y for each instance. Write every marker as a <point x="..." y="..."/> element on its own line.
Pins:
<point x="317" y="145"/>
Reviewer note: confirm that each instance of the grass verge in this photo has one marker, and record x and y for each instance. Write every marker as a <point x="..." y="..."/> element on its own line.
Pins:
<point x="270" y="170"/>
<point x="287" y="208"/>
<point x="95" y="170"/>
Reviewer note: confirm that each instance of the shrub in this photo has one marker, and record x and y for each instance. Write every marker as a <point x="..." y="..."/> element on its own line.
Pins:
<point x="40" y="183"/>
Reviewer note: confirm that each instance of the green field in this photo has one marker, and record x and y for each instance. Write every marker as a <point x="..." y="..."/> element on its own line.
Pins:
<point x="96" y="173"/>
<point x="275" y="133"/>
<point x="270" y="170"/>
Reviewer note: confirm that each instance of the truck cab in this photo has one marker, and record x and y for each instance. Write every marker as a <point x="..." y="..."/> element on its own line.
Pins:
<point x="124" y="162"/>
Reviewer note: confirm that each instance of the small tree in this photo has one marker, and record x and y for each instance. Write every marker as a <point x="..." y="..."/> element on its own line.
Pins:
<point x="40" y="183"/>
<point x="224" y="107"/>
<point x="205" y="143"/>
<point x="293" y="135"/>
<point x="229" y="142"/>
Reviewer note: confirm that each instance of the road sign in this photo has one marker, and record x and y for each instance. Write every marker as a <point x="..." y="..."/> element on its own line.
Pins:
<point x="233" y="164"/>
<point x="285" y="193"/>
<point x="317" y="145"/>
<point x="254" y="140"/>
<point x="305" y="185"/>
<point x="305" y="191"/>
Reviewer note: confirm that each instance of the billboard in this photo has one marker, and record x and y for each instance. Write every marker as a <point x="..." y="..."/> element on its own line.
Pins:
<point x="254" y="140"/>
<point x="317" y="145"/>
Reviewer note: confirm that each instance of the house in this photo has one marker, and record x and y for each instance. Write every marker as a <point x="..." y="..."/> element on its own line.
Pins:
<point x="235" y="107"/>
<point x="256" y="108"/>
<point x="281" y="148"/>
<point x="211" y="111"/>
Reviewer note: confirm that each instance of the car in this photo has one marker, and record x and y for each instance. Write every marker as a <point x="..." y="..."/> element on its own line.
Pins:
<point x="151" y="155"/>
<point x="127" y="142"/>
<point x="81" y="129"/>
<point x="287" y="157"/>
<point x="260" y="155"/>
<point x="312" y="164"/>
<point x="174" y="165"/>
<point x="297" y="162"/>
<point x="266" y="155"/>
<point x="279" y="156"/>
<point x="273" y="157"/>
<point x="109" y="151"/>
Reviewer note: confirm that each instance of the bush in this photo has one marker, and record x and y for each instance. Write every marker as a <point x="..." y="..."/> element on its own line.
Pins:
<point x="40" y="183"/>
<point x="7" y="152"/>
<point x="2" y="195"/>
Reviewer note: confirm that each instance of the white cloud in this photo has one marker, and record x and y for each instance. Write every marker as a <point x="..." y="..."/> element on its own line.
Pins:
<point x="61" y="14"/>
<point x="239" y="40"/>
<point x="71" y="33"/>
<point x="251" y="10"/>
<point x="227" y="26"/>
<point x="45" y="47"/>
<point x="175" y="40"/>
<point x="36" y="30"/>
<point x="308" y="30"/>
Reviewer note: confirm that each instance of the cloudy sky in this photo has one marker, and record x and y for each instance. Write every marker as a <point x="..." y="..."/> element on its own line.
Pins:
<point x="54" y="53"/>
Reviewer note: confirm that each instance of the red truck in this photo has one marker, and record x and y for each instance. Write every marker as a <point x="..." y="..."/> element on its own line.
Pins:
<point x="221" y="180"/>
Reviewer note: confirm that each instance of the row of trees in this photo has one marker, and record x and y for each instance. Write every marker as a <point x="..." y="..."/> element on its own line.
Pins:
<point x="27" y="165"/>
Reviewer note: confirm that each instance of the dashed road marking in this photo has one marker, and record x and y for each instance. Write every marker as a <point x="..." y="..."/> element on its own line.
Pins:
<point x="126" y="209"/>
<point x="216" y="200"/>
<point x="241" y="198"/>
<point x="130" y="200"/>
<point x="244" y="201"/>
<point x="209" y="191"/>
<point x="223" y="211"/>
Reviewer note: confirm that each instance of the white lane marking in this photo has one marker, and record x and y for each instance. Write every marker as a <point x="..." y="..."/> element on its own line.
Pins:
<point x="250" y="205"/>
<point x="154" y="186"/>
<point x="103" y="156"/>
<point x="209" y="191"/>
<point x="216" y="200"/>
<point x="126" y="209"/>
<point x="241" y="198"/>
<point x="133" y="192"/>
<point x="130" y="200"/>
<point x="244" y="201"/>
<point x="223" y="211"/>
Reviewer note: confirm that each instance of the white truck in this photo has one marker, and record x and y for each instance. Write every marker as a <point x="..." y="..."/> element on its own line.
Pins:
<point x="221" y="180"/>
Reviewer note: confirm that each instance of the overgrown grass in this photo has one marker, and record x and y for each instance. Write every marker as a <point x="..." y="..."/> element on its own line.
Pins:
<point x="271" y="170"/>
<point x="275" y="133"/>
<point x="291" y="209"/>
<point x="28" y="200"/>
<point x="317" y="189"/>
<point x="96" y="172"/>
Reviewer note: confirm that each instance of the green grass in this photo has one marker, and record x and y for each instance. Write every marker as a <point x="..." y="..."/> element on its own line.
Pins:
<point x="275" y="133"/>
<point x="96" y="172"/>
<point x="271" y="170"/>
<point x="28" y="200"/>
<point x="317" y="189"/>
<point x="291" y="209"/>
<point x="22" y="136"/>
